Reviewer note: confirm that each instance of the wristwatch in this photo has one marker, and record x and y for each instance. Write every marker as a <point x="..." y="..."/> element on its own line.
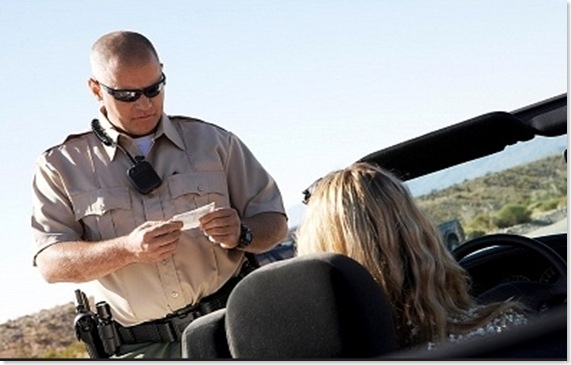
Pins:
<point x="245" y="237"/>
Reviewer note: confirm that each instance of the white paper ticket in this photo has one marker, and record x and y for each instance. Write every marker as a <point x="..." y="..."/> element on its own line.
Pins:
<point x="190" y="218"/>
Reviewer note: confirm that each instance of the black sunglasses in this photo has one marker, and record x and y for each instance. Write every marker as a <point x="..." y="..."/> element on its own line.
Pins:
<point x="131" y="95"/>
<point x="307" y="192"/>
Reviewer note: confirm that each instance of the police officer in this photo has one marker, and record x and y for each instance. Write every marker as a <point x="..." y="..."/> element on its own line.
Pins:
<point x="103" y="202"/>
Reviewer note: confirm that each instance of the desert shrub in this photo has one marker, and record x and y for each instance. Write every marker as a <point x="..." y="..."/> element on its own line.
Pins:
<point x="474" y="234"/>
<point x="480" y="223"/>
<point x="548" y="205"/>
<point x="511" y="214"/>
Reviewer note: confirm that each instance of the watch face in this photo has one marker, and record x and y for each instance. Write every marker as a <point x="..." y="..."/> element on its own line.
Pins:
<point x="245" y="236"/>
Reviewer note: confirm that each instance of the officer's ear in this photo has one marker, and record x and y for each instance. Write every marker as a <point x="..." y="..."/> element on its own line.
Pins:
<point x="95" y="88"/>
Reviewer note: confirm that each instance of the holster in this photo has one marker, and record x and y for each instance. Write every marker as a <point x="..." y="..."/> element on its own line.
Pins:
<point x="103" y="336"/>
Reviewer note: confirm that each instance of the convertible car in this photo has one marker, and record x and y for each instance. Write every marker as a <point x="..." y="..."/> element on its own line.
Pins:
<point x="502" y="177"/>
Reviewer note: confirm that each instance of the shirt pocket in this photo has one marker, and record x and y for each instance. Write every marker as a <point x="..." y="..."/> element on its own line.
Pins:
<point x="104" y="213"/>
<point x="192" y="190"/>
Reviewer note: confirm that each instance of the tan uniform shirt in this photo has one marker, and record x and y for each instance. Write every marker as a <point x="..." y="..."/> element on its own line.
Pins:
<point x="81" y="192"/>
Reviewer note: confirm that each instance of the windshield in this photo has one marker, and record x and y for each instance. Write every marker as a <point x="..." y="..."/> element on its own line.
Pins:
<point x="521" y="190"/>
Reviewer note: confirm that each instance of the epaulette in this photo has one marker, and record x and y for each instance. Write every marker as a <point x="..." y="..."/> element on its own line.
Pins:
<point x="192" y="119"/>
<point x="67" y="139"/>
<point x="75" y="135"/>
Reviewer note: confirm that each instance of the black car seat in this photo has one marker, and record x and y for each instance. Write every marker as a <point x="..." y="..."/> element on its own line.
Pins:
<point x="317" y="306"/>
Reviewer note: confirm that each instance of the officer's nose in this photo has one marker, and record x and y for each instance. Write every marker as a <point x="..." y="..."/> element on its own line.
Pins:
<point x="143" y="103"/>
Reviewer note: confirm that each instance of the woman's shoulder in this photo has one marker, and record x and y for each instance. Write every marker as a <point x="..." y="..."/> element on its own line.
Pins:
<point x="504" y="321"/>
<point x="507" y="319"/>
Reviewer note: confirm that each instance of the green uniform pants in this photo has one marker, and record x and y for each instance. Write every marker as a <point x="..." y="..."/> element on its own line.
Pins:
<point x="150" y="350"/>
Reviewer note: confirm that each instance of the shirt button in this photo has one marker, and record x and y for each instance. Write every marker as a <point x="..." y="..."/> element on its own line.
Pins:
<point x="174" y="294"/>
<point x="165" y="261"/>
<point x="200" y="188"/>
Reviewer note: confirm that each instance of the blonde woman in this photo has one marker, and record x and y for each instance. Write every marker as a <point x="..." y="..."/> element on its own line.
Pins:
<point x="369" y="215"/>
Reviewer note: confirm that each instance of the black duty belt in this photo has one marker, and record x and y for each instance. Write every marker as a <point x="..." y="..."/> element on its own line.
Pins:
<point x="170" y="328"/>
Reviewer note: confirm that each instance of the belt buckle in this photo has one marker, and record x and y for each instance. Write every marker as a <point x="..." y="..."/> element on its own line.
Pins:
<point x="180" y="319"/>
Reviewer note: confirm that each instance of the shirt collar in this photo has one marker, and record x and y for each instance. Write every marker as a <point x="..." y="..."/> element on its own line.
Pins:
<point x="166" y="127"/>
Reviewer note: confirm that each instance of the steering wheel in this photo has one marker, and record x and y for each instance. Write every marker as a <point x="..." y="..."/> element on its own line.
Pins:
<point x="535" y="295"/>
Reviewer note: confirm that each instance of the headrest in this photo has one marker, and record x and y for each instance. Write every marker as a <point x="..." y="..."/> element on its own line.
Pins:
<point x="316" y="306"/>
<point x="205" y="338"/>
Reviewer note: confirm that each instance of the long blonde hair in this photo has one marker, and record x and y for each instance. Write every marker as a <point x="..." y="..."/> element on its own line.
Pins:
<point x="369" y="215"/>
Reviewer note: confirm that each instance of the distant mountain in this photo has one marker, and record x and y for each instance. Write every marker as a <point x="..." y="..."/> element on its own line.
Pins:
<point x="46" y="334"/>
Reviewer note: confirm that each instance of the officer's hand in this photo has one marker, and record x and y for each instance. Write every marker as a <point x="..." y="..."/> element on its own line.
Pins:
<point x="154" y="241"/>
<point x="222" y="226"/>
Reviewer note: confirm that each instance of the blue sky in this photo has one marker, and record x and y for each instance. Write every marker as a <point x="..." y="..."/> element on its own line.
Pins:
<point x="309" y="85"/>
